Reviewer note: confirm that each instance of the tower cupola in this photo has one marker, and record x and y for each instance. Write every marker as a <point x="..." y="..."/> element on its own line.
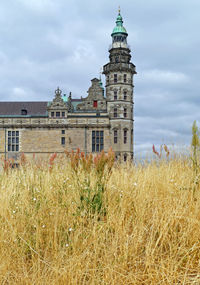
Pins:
<point x="119" y="33"/>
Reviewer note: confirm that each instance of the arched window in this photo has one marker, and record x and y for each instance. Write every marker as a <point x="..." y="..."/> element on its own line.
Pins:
<point x="125" y="112"/>
<point x="115" y="112"/>
<point x="125" y="136"/>
<point x="115" y="136"/>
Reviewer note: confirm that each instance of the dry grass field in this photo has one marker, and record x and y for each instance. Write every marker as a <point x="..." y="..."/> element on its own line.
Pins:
<point x="78" y="222"/>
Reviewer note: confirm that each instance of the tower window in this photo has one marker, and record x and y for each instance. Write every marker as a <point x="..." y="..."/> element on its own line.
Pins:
<point x="95" y="104"/>
<point x="97" y="141"/>
<point x="115" y="95"/>
<point x="13" y="140"/>
<point x="125" y="78"/>
<point x="115" y="112"/>
<point x="125" y="113"/>
<point x="63" y="132"/>
<point x="115" y="78"/>
<point x="125" y="136"/>
<point x="52" y="114"/>
<point x="57" y="114"/>
<point x="125" y="95"/>
<point x="125" y="157"/>
<point x="63" y="141"/>
<point x="115" y="136"/>
<point x="63" y="114"/>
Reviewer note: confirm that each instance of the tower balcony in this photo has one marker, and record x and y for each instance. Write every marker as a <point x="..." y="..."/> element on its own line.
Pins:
<point x="115" y="67"/>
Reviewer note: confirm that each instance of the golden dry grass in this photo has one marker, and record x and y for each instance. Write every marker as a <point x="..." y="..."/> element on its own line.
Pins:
<point x="149" y="235"/>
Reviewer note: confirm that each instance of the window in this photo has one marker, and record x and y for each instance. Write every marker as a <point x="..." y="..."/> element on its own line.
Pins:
<point x="23" y="112"/>
<point x="115" y="78"/>
<point x="115" y="95"/>
<point x="125" y="78"/>
<point x="97" y="141"/>
<point x="125" y="136"/>
<point x="63" y="132"/>
<point x="13" y="140"/>
<point x="52" y="114"/>
<point x="57" y="114"/>
<point x="63" y="114"/>
<point x="108" y="79"/>
<point x="125" y="95"/>
<point x="125" y="112"/>
<point x="115" y="112"/>
<point x="116" y="59"/>
<point x="63" y="141"/>
<point x="131" y="136"/>
<point x="125" y="157"/>
<point x="95" y="104"/>
<point x="115" y="136"/>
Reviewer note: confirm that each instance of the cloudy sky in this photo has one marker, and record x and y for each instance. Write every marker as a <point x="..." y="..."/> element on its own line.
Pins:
<point x="48" y="43"/>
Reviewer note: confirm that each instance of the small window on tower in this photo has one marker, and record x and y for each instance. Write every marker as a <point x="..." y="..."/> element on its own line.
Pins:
<point x="63" y="114"/>
<point x="125" y="112"/>
<point x="115" y="95"/>
<point x="95" y="104"/>
<point x="125" y="95"/>
<point x="125" y="78"/>
<point x="52" y="114"/>
<point x="115" y="112"/>
<point x="115" y="78"/>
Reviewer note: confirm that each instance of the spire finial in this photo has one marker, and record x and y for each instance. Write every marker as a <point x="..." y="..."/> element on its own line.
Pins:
<point x="119" y="10"/>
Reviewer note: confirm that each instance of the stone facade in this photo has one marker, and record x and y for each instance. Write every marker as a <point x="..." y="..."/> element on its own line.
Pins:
<point x="98" y="121"/>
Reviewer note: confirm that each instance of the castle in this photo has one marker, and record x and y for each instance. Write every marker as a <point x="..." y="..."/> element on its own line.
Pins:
<point x="95" y="123"/>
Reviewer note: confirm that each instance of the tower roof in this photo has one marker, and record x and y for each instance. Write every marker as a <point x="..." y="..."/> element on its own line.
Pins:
<point x="119" y="28"/>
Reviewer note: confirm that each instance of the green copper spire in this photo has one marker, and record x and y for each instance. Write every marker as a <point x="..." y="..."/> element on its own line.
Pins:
<point x="119" y="29"/>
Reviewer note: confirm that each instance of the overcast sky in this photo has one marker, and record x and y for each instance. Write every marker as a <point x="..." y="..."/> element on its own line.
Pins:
<point x="50" y="43"/>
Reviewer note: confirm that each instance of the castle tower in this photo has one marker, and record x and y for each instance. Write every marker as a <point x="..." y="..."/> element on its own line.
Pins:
<point x="119" y="92"/>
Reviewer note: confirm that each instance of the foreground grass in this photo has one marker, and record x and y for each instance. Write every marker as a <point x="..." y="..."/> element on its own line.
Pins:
<point x="148" y="233"/>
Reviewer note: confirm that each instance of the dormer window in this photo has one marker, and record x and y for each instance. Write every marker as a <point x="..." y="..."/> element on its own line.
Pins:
<point x="24" y="112"/>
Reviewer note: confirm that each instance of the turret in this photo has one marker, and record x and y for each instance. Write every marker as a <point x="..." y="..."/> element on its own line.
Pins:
<point x="119" y="91"/>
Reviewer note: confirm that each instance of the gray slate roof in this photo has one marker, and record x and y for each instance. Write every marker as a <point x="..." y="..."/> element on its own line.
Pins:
<point x="14" y="108"/>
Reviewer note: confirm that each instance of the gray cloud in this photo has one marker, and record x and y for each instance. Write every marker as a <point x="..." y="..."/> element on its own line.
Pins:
<point x="45" y="44"/>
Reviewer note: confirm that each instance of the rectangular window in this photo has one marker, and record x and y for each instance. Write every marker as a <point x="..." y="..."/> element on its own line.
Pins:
<point x="63" y="141"/>
<point x="125" y="112"/>
<point x="115" y="78"/>
<point x="95" y="104"/>
<point x="13" y="140"/>
<point x="125" y="95"/>
<point x="52" y="114"/>
<point x="115" y="136"/>
<point x="125" y="136"/>
<point x="63" y="114"/>
<point x="115" y="112"/>
<point x="115" y="95"/>
<point x="97" y="141"/>
<point x="57" y="114"/>
<point x="125" y="78"/>
<point x="63" y="132"/>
